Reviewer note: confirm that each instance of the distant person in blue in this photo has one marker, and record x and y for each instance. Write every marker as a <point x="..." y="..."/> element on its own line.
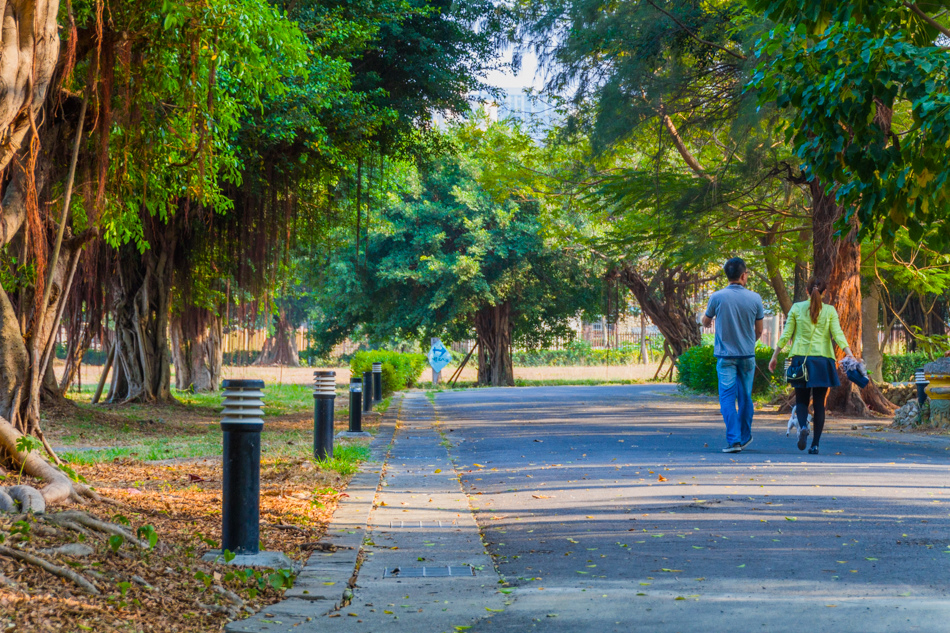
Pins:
<point x="738" y="313"/>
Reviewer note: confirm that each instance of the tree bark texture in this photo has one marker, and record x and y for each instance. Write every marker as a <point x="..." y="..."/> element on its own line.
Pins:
<point x="665" y="298"/>
<point x="493" y="329"/>
<point x="142" y="294"/>
<point x="844" y="293"/>
<point x="870" y="326"/>
<point x="29" y="50"/>
<point x="281" y="348"/>
<point x="196" y="336"/>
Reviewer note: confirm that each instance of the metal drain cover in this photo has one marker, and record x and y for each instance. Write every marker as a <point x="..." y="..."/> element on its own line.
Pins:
<point x="423" y="524"/>
<point x="429" y="572"/>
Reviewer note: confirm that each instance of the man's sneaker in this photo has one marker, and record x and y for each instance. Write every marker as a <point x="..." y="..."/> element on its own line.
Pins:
<point x="733" y="448"/>
<point x="746" y="443"/>
<point x="802" y="438"/>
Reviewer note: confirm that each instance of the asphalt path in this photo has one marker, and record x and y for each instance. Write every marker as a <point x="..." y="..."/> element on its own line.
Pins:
<point x="613" y="509"/>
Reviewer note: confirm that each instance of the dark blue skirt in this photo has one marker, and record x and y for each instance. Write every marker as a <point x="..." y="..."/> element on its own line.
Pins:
<point x="822" y="372"/>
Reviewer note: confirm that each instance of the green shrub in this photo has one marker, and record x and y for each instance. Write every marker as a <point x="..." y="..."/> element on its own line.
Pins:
<point x="400" y="370"/>
<point x="697" y="370"/>
<point x="901" y="367"/>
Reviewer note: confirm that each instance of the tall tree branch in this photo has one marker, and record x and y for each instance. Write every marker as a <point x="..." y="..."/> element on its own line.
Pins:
<point x="693" y="35"/>
<point x="923" y="16"/>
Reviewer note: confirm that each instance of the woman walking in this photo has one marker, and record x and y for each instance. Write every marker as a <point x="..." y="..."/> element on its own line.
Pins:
<point x="811" y="325"/>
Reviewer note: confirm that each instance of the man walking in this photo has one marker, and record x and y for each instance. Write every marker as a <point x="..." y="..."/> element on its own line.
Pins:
<point x="738" y="313"/>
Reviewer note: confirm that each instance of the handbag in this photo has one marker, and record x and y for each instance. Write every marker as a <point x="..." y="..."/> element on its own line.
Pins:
<point x="797" y="372"/>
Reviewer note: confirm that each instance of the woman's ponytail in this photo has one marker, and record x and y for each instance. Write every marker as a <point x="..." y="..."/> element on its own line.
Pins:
<point x="815" y="288"/>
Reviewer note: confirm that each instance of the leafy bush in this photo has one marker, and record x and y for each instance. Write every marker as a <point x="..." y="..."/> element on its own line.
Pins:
<point x="901" y="367"/>
<point x="400" y="370"/>
<point x="697" y="370"/>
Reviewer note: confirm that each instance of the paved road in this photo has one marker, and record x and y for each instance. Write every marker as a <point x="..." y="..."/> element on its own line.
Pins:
<point x="613" y="509"/>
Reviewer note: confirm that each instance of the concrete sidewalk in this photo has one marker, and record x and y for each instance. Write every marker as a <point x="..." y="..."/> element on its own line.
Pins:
<point x="422" y="567"/>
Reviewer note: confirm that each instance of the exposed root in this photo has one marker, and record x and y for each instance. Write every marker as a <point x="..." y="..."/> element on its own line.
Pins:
<point x="216" y="608"/>
<point x="59" y="487"/>
<point x="56" y="570"/>
<point x="6" y="502"/>
<point x="72" y="518"/>
<point x="232" y="597"/>
<point x="9" y="584"/>
<point x="29" y="498"/>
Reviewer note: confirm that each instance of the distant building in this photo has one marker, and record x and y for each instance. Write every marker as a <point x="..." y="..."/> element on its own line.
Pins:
<point x="536" y="115"/>
<point x="532" y="111"/>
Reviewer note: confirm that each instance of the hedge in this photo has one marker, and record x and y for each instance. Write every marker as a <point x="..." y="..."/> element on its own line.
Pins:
<point x="400" y="371"/>
<point x="901" y="367"/>
<point x="697" y="370"/>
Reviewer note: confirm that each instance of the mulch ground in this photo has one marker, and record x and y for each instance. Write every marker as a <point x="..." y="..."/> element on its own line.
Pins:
<point x="167" y="588"/>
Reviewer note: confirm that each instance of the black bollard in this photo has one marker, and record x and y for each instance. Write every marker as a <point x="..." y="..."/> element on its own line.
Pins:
<point x="378" y="382"/>
<point x="922" y="383"/>
<point x="324" y="395"/>
<point x="367" y="391"/>
<point x="242" y="423"/>
<point x="356" y="415"/>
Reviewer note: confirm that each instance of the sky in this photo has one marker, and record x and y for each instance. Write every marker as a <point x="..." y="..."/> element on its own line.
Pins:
<point x="528" y="77"/>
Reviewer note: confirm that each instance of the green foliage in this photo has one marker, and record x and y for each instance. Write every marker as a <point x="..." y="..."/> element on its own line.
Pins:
<point x="26" y="444"/>
<point x="346" y="459"/>
<point x="901" y="367"/>
<point x="450" y="245"/>
<point x="697" y="370"/>
<point x="867" y="87"/>
<point x="115" y="542"/>
<point x="400" y="370"/>
<point x="148" y="533"/>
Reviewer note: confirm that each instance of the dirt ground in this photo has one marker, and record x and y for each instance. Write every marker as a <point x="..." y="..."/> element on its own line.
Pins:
<point x="158" y="470"/>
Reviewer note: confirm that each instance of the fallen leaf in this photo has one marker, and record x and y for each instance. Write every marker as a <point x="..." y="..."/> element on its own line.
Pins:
<point x="195" y="477"/>
<point x="661" y="478"/>
<point x="541" y="496"/>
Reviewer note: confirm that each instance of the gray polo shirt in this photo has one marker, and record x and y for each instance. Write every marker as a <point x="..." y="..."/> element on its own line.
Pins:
<point x="736" y="309"/>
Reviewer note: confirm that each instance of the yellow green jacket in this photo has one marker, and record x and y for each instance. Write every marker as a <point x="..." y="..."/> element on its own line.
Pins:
<point x="812" y="339"/>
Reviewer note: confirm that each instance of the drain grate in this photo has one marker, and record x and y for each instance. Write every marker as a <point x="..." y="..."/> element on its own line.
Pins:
<point x="429" y="572"/>
<point x="423" y="524"/>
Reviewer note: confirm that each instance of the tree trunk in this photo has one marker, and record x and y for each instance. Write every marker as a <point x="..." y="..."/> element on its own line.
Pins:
<point x="281" y="348"/>
<point x="29" y="41"/>
<point x="493" y="329"/>
<point x="666" y="300"/>
<point x="773" y="269"/>
<point x="870" y="327"/>
<point x="196" y="336"/>
<point x="839" y="262"/>
<point x="142" y="292"/>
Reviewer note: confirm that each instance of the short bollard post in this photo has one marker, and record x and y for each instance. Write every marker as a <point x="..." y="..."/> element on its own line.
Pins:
<point x="377" y="382"/>
<point x="356" y="404"/>
<point x="921" y="381"/>
<point x="324" y="395"/>
<point x="242" y="423"/>
<point x="367" y="391"/>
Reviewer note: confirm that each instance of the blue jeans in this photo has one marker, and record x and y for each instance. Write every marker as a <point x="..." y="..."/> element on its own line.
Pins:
<point x="735" y="384"/>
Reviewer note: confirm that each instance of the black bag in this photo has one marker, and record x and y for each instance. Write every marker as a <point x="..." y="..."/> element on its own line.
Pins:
<point x="797" y="372"/>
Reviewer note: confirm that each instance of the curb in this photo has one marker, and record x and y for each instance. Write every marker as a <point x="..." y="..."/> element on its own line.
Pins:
<point x="326" y="578"/>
